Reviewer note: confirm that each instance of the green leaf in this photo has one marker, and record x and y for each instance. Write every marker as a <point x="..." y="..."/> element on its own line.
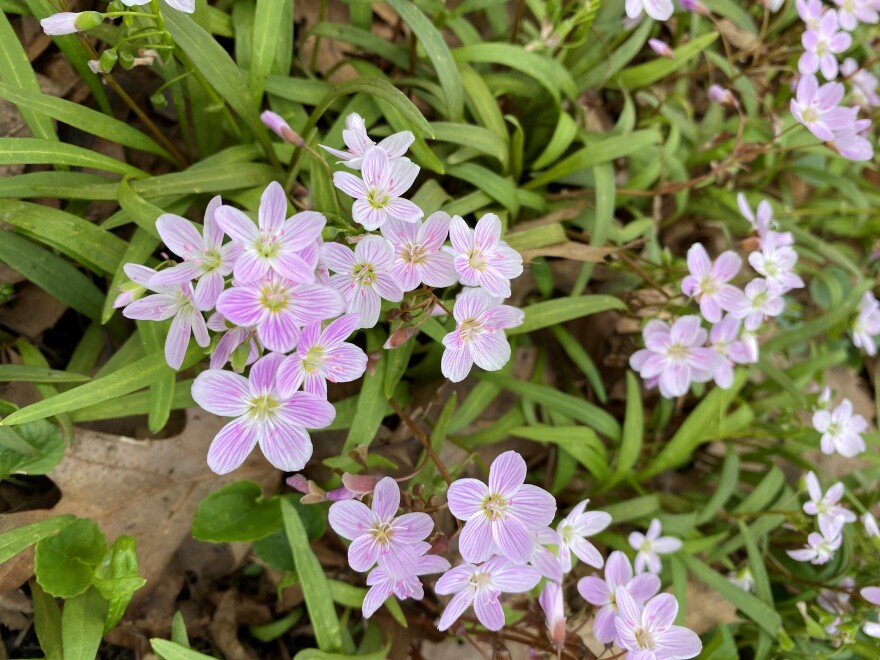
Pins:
<point x="474" y="137"/>
<point x="10" y="373"/>
<point x="481" y="102"/>
<point x="82" y="625"/>
<point x="764" y="493"/>
<point x="497" y="187"/>
<point x="138" y="251"/>
<point x="16" y="540"/>
<point x="633" y="430"/>
<point x="170" y="651"/>
<point x="236" y="512"/>
<point x="726" y="485"/>
<point x="438" y="52"/>
<point x="315" y="654"/>
<point x="563" y="135"/>
<point x="65" y="563"/>
<point x="36" y="151"/>
<point x="579" y="441"/>
<point x="116" y="578"/>
<point x="553" y="312"/>
<point x="138" y="209"/>
<point x="273" y="29"/>
<point x="47" y="622"/>
<point x="316" y="590"/>
<point x="398" y="361"/>
<point x="153" y="337"/>
<point x="579" y="356"/>
<point x="83" y="118"/>
<point x="386" y="50"/>
<point x="762" y="614"/>
<point x="371" y="407"/>
<point x="178" y="630"/>
<point x="536" y="236"/>
<point x="650" y="72"/>
<point x="37" y="448"/>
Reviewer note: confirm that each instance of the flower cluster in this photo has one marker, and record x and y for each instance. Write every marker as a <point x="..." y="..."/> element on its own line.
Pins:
<point x="831" y="517"/>
<point x="676" y="356"/>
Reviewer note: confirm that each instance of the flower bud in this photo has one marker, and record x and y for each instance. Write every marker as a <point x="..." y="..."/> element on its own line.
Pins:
<point x="88" y="20"/>
<point x="661" y="48"/>
<point x="720" y="95"/>
<point x="108" y="60"/>
<point x="281" y="128"/>
<point x="400" y="337"/>
<point x="126" y="59"/>
<point x="360" y="484"/>
<point x="70" y="22"/>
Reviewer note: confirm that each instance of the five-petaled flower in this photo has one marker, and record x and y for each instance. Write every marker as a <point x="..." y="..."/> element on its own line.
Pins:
<point x="708" y="282"/>
<point x="383" y="585"/>
<point x="825" y="505"/>
<point x="650" y="546"/>
<point x="841" y="430"/>
<point x="821" y="545"/>
<point x="359" y="143"/>
<point x="481" y="257"/>
<point x="573" y="531"/>
<point x="648" y="633"/>
<point x="418" y="258"/>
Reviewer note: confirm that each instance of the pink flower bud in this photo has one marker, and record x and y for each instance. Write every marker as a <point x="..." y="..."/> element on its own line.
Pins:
<point x="281" y="128"/>
<point x="694" y="6"/>
<point x="70" y="22"/>
<point x="661" y="48"/>
<point x="360" y="484"/>
<point x="399" y="337"/>
<point x="718" y="94"/>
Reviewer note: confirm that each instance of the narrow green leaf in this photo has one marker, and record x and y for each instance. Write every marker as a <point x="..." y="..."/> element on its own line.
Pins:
<point x="316" y="590"/>
<point x="371" y="408"/>
<point x="273" y="21"/>
<point x="315" y="654"/>
<point x="20" y="373"/>
<point x="579" y="441"/>
<point x="386" y="50"/>
<point x="579" y="356"/>
<point x="726" y="485"/>
<point x="650" y="72"/>
<point x="764" y="493"/>
<point x="16" y="540"/>
<point x="138" y="209"/>
<point x="553" y="312"/>
<point x="500" y="189"/>
<point x="398" y="361"/>
<point x="37" y="151"/>
<point x="171" y="651"/>
<point x="481" y="102"/>
<point x="563" y="135"/>
<point x="633" y="430"/>
<point x="138" y="251"/>
<point x="47" y="622"/>
<point x="178" y="630"/>
<point x="162" y="389"/>
<point x="82" y="625"/>
<point x="475" y="137"/>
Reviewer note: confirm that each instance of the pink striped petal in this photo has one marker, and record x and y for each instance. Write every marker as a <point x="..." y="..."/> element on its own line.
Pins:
<point x="286" y="447"/>
<point x="363" y="553"/>
<point x="338" y="258"/>
<point x="438" y="270"/>
<point x="231" y="446"/>
<point x="290" y="376"/>
<point x="487" y="232"/>
<point x="489" y="611"/>
<point x="513" y="538"/>
<point x="456" y="365"/>
<point x="221" y="392"/>
<point x="350" y="519"/>
<point x="386" y="499"/>
<point x="412" y="527"/>
<point x="461" y="236"/>
<point x="177" y="340"/>
<point x="273" y="208"/>
<point x="236" y="224"/>
<point x="507" y="474"/>
<point x="465" y="497"/>
<point x="345" y="363"/>
<point x="179" y="235"/>
<point x="475" y="542"/>
<point x="309" y="411"/>
<point x="350" y="184"/>
<point x="534" y="506"/>
<point x="454" y="609"/>
<point x="279" y="331"/>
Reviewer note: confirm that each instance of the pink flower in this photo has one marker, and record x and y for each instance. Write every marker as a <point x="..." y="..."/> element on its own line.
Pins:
<point x="708" y="282"/>
<point x="826" y="505"/>
<point x="841" y="430"/>
<point x="817" y="107"/>
<point x="603" y="593"/>
<point x="278" y="308"/>
<point x="872" y="595"/>
<point x="70" y="22"/>
<point x="482" y="258"/>
<point x="553" y="605"/>
<point x="821" y="45"/>
<point x="281" y="128"/>
<point x="499" y="518"/>
<point x="864" y="84"/>
<point x="650" y="546"/>
<point x="762" y="221"/>
<point x="872" y="529"/>
<point x="542" y="557"/>
<point x="659" y="10"/>
<point x="661" y="48"/>
<point x="731" y="350"/>
<point x="851" y="12"/>
<point x="573" y="531"/>
<point x="173" y="300"/>
<point x="205" y="258"/>
<point x="694" y="6"/>
<point x="140" y="277"/>
<point x="481" y="586"/>
<point x="359" y="143"/>
<point x="323" y="356"/>
<point x="648" y="632"/>
<point x="822" y="545"/>
<point x="417" y="255"/>
<point x="274" y="245"/>
<point x="262" y="416"/>
<point x="383" y="586"/>
<point x="717" y="94"/>
<point x="378" y="533"/>
<point x="478" y="336"/>
<point x="811" y="12"/>
<point x="234" y="337"/>
<point x="759" y="304"/>
<point x="837" y="601"/>
<point x="378" y="196"/>
<point x="776" y="263"/>
<point x="363" y="277"/>
<point x="676" y="355"/>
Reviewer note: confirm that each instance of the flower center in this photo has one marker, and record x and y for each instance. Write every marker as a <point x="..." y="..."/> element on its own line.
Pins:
<point x="263" y="407"/>
<point x="378" y="199"/>
<point x="364" y="274"/>
<point x="707" y="286"/>
<point x="476" y="260"/>
<point x="413" y="254"/>
<point x="495" y="507"/>
<point x="645" y="546"/>
<point x="470" y="329"/>
<point x="480" y="581"/>
<point x="382" y="534"/>
<point x="314" y="359"/>
<point x="644" y="638"/>
<point x="821" y="48"/>
<point x="677" y="352"/>
<point x="567" y="534"/>
<point x="267" y="245"/>
<point x="760" y="300"/>
<point x="274" y="297"/>
<point x="211" y="260"/>
<point x="810" y="115"/>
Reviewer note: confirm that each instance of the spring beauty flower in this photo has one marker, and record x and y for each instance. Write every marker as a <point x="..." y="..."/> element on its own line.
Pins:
<point x="176" y="302"/>
<point x="553" y="605"/>
<point x="359" y="143"/>
<point x="479" y="336"/>
<point x="273" y="246"/>
<point x="481" y="257"/>
<point x="661" y="48"/>
<point x="573" y="531"/>
<point x="363" y="277"/>
<point x="278" y="308"/>
<point x="659" y="10"/>
<point x="818" y="109"/>
<point x="602" y="593"/>
<point x="378" y="534"/>
<point x="708" y="281"/>
<point x="262" y="417"/>
<point x="676" y="355"/>
<point x="650" y="546"/>
<point x="776" y="263"/>
<point x="841" y="430"/>
<point x="725" y="339"/>
<point x="872" y="595"/>
<point x="825" y="505"/>
<point x="743" y="579"/>
<point x="140" y="277"/>
<point x="758" y="304"/>
<point x="323" y="355"/>
<point x="863" y="84"/>
<point x="852" y="12"/>
<point x="811" y="12"/>
<point x="821" y="545"/>
<point x="418" y="258"/>
<point x="383" y="585"/>
<point x="648" y="632"/>
<point x="821" y="46"/>
<point x="482" y="586"/>
<point x="378" y="196"/>
<point x="722" y="96"/>
<point x="499" y="517"/>
<point x="872" y="529"/>
<point x="762" y="221"/>
<point x="867" y="324"/>
<point x="205" y="258"/>
<point x="851" y="142"/>
<point x="542" y="557"/>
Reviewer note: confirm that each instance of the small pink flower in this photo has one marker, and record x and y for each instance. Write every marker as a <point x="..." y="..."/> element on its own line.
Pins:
<point x="841" y="430"/>
<point x="478" y="336"/>
<point x="499" y="517"/>
<point x="363" y="277"/>
<point x="851" y="142"/>
<point x="811" y="12"/>
<point x="205" y="258"/>
<point x="553" y="605"/>
<point x="759" y="304"/>
<point x="872" y="595"/>
<point x="864" y="84"/>
<point x="482" y="586"/>
<point x="731" y="350"/>
<point x="573" y="531"/>
<point x="176" y="302"/>
<point x="70" y="22"/>
<point x="140" y="277"/>
<point x="708" y="282"/>
<point x="661" y="48"/>
<point x="602" y="593"/>
<point x="818" y="109"/>
<point x="233" y="337"/>
<point x="378" y="533"/>
<point x="776" y="263"/>
<point x="383" y="586"/>
<point x="648" y="632"/>
<point x="762" y="221"/>
<point x="822" y="545"/>
<point x="482" y="258"/>
<point x="278" y="308"/>
<point x="281" y="128"/>
<point x="676" y="355"/>
<point x="418" y="258"/>
<point x="323" y="355"/>
<point x="852" y="12"/>
<point x="274" y="245"/>
<point x="378" y="196"/>
<point x="825" y="505"/>
<point x="542" y="557"/>
<point x="262" y="417"/>
<point x="359" y="143"/>
<point x="659" y="10"/>
<point x="821" y="46"/>
<point x="694" y="6"/>
<point x="650" y="546"/>
<point x="872" y="529"/>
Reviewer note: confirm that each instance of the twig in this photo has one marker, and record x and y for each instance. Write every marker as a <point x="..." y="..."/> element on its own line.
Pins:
<point x="426" y="442"/>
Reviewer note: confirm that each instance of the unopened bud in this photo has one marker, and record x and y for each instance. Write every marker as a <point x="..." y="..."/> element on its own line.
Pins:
<point x="720" y="95"/>
<point x="281" y="128"/>
<point x="661" y="48"/>
<point x="108" y="60"/>
<point x="68" y="22"/>
<point x="400" y="337"/>
<point x="126" y="60"/>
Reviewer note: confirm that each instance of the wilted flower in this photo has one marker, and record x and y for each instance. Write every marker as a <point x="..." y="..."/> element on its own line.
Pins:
<point x="648" y="632"/>
<point x="482" y="258"/>
<point x="676" y="355"/>
<point x="140" y="277"/>
<point x="281" y="128"/>
<point x="233" y="337"/>
<point x="720" y="95"/>
<point x="650" y="546"/>
<point x="359" y="143"/>
<point x="841" y="430"/>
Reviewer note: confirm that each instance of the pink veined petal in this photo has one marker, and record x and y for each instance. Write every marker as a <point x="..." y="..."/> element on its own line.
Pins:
<point x="350" y="184"/>
<point x="402" y="172"/>
<point x="592" y="522"/>
<point x="395" y="145"/>
<point x="513" y="538"/>
<point x="186" y="6"/>
<point x="236" y="224"/>
<point x="375" y="597"/>
<point x="279" y="331"/>
<point x="643" y="586"/>
<point x="603" y="625"/>
<point x="293" y="267"/>
<point x="374" y="250"/>
<point x="490" y="351"/>
<point x="363" y="553"/>
<point x="221" y="392"/>
<point x="726" y="266"/>
<point x="250" y="266"/>
<point x="675" y="380"/>
<point x="367" y="215"/>
<point x="511" y="578"/>
<point x="534" y="506"/>
<point x="729" y="297"/>
<point x="503" y="316"/>
<point x="157" y="307"/>
<point x="456" y="365"/>
<point x="309" y="337"/>
<point x="494" y="282"/>
<point x="403" y="209"/>
<point x="455" y="579"/>
<point x="344" y="363"/>
<point x="308" y="411"/>
<point x="629" y="612"/>
<point x="208" y="289"/>
<point x="470" y="304"/>
<point x="412" y="528"/>
<point x="808" y="63"/>
<point x="399" y="232"/>
<point x="454" y="609"/>
<point x="398" y="560"/>
<point x="507" y="475"/>
<point x="431" y="564"/>
<point x="286" y="446"/>
<point x="314" y="383"/>
<point x="303" y="230"/>
<point x="273" y="208"/>
<point x="465" y="497"/>
<point x="688" y="331"/>
<point x="587" y="553"/>
<point x="475" y="542"/>
<point x="679" y="642"/>
<point x="263" y="374"/>
<point x="433" y="232"/>
<point x="461" y="236"/>
<point x="871" y="594"/>
<point x="139" y="274"/>
<point x="366" y="304"/>
<point x="660" y="611"/>
<point x="489" y="611"/>
<point x="212" y="231"/>
<point x="405" y="276"/>
<point x="200" y="329"/>
<point x="179" y="235"/>
<point x="376" y="168"/>
<point x="594" y="590"/>
<point x="654" y="529"/>
<point x="386" y="499"/>
<point x="177" y="340"/>
<point x="388" y="288"/>
<point x="487" y="232"/>
<point x="618" y="570"/>
<point x="437" y="270"/>
<point x="710" y="309"/>
<point x="698" y="261"/>
<point x="350" y="518"/>
<point x="467" y="274"/>
<point x="659" y="10"/>
<point x="315" y="302"/>
<point x="231" y="446"/>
